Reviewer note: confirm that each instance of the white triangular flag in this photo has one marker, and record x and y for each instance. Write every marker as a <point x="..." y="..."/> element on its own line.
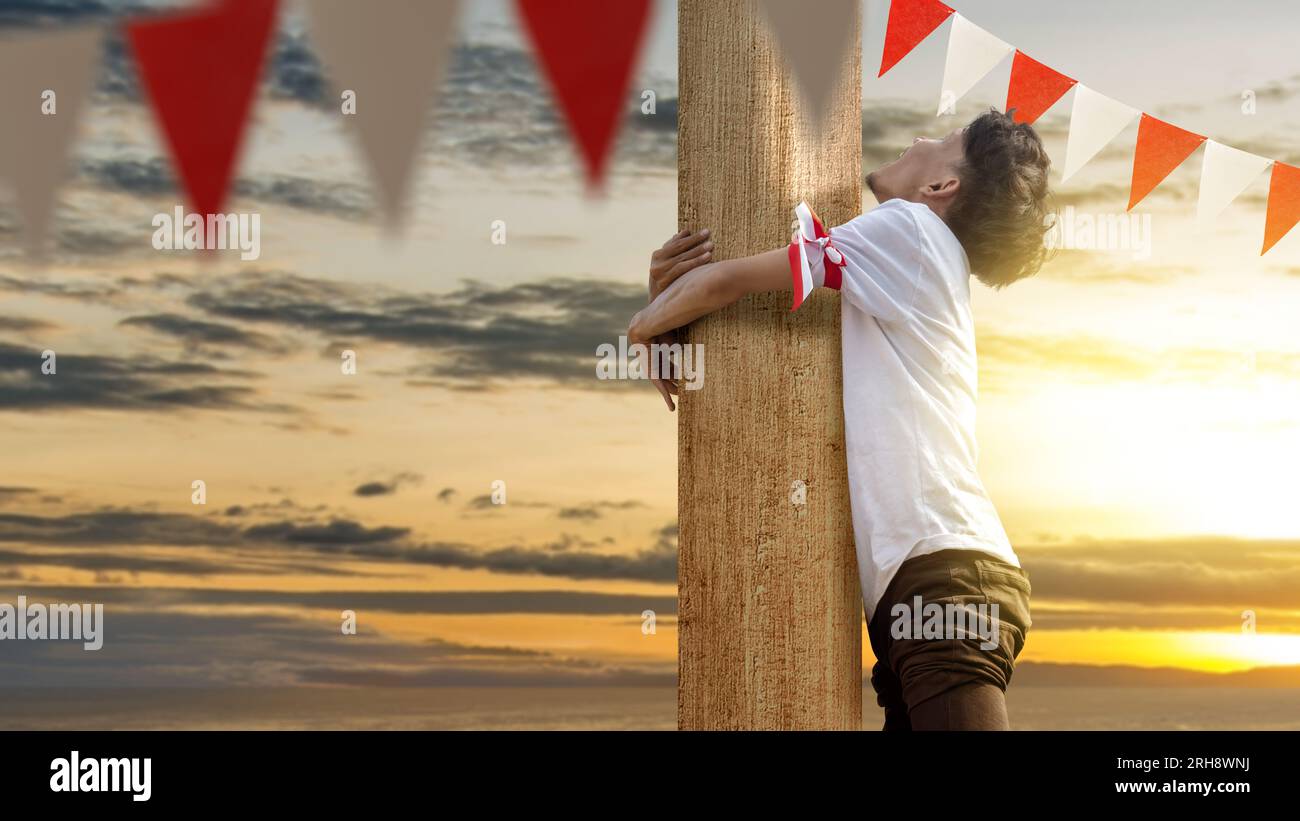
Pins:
<point x="816" y="53"/>
<point x="45" y="83"/>
<point x="1094" y="121"/>
<point x="1225" y="173"/>
<point x="972" y="53"/>
<point x="390" y="57"/>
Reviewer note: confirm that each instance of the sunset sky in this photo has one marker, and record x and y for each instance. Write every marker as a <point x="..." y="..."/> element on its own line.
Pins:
<point x="1138" y="417"/>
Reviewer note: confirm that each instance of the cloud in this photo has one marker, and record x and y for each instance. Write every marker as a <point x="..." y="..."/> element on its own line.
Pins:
<point x="330" y="537"/>
<point x="186" y="649"/>
<point x="419" y="602"/>
<point x="475" y="336"/>
<point x="206" y="338"/>
<point x="888" y="128"/>
<point x="30" y="13"/>
<point x="63" y="288"/>
<point x="484" y="502"/>
<point x="595" y="510"/>
<point x="388" y="487"/>
<point x="153" y="178"/>
<point x="1205" y="572"/>
<point x="98" y="381"/>
<point x="76" y="236"/>
<point x="25" y="325"/>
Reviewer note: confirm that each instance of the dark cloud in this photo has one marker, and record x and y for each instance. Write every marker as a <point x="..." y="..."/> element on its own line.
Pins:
<point x="579" y="513"/>
<point x="332" y="534"/>
<point x="484" y="502"/>
<point x="595" y="510"/>
<point x="430" y="602"/>
<point x="104" y="382"/>
<point x="207" y="338"/>
<point x="153" y="178"/>
<point x="387" y="487"/>
<point x="179" y="649"/>
<point x="98" y="292"/>
<point x="446" y="494"/>
<point x="476" y="335"/>
<point x="31" y="13"/>
<point x="76" y="237"/>
<point x="137" y="563"/>
<point x="566" y="676"/>
<point x="25" y="325"/>
<point x="332" y="537"/>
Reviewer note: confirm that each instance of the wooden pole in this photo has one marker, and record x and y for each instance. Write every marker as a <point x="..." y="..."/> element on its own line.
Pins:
<point x="769" y="606"/>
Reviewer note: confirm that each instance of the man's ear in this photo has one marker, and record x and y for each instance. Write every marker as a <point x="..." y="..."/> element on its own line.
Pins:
<point x="942" y="190"/>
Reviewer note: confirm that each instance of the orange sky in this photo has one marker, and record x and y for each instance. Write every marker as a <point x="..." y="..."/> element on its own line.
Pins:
<point x="1137" y="416"/>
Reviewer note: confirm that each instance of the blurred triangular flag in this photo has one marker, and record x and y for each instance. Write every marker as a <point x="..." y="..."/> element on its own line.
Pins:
<point x="1095" y="120"/>
<point x="1283" y="204"/>
<point x="1161" y="148"/>
<point x="910" y="22"/>
<point x="972" y="53"/>
<point x="1033" y="88"/>
<point x="815" y="53"/>
<point x="44" y="81"/>
<point x="390" y="57"/>
<point x="588" y="49"/>
<point x="1225" y="173"/>
<point x="200" y="68"/>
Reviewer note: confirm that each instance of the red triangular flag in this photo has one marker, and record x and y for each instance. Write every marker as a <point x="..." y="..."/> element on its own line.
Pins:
<point x="1161" y="148"/>
<point x="910" y="22"/>
<point x="1034" y="88"/>
<point x="200" y="69"/>
<point x="588" y="48"/>
<point x="1283" y="204"/>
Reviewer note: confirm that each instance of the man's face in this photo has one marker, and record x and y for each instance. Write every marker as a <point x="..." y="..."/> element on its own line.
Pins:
<point x="921" y="172"/>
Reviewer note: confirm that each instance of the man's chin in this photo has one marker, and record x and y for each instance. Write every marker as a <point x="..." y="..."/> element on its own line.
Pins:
<point x="871" y="185"/>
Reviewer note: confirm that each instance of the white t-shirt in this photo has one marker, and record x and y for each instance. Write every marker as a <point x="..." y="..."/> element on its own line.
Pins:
<point x="909" y="387"/>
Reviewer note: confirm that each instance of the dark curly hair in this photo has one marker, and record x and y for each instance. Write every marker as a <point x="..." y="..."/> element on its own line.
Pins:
<point x="1000" y="213"/>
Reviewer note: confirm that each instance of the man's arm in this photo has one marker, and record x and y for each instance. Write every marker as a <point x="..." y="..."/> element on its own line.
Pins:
<point x="707" y="288"/>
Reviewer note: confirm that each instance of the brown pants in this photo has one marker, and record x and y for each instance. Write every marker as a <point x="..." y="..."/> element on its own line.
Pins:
<point x="950" y="682"/>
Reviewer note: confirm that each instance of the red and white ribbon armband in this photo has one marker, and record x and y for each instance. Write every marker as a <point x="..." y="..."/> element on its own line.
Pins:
<point x="814" y="261"/>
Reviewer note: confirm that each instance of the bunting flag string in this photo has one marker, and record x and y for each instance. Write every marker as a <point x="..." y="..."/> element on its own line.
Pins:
<point x="1095" y="119"/>
<point x="200" y="67"/>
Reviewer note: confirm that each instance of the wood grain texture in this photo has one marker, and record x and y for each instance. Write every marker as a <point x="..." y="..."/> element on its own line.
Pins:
<point x="770" y="611"/>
